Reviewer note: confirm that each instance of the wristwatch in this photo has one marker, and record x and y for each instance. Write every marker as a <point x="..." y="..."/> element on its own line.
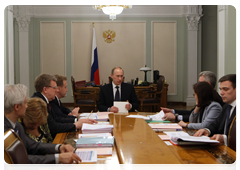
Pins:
<point x="176" y="117"/>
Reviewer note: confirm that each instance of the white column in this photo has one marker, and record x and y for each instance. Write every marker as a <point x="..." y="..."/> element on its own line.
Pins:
<point x="10" y="45"/>
<point x="23" y="25"/>
<point x="221" y="40"/>
<point x="193" y="17"/>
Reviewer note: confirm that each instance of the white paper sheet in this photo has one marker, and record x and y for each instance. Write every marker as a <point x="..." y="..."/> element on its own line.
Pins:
<point x="138" y="116"/>
<point x="121" y="106"/>
<point x="157" y="116"/>
<point x="87" y="156"/>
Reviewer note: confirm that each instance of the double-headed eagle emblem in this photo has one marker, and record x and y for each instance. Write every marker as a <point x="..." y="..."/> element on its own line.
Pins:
<point x="109" y="36"/>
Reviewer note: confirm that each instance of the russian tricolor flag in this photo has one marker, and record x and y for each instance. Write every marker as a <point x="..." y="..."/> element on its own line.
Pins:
<point x="94" y="61"/>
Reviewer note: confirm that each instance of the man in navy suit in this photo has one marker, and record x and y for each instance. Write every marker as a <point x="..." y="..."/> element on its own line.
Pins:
<point x="63" y="114"/>
<point x="117" y="91"/>
<point x="220" y="128"/>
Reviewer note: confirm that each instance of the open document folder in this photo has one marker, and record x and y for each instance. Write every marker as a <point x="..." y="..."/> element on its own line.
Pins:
<point x="182" y="138"/>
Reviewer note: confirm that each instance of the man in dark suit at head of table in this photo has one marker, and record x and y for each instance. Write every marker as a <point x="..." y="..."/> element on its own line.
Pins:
<point x="117" y="90"/>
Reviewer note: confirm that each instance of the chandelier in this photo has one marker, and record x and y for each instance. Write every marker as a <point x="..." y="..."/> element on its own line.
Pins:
<point x="112" y="10"/>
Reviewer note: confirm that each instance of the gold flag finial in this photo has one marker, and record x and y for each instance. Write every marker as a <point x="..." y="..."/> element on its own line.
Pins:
<point x="93" y="24"/>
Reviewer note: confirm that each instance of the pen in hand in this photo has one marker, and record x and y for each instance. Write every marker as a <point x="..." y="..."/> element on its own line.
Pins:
<point x="90" y="114"/>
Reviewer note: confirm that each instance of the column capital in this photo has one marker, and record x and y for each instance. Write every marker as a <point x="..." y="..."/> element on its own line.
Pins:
<point x="23" y="23"/>
<point x="193" y="17"/>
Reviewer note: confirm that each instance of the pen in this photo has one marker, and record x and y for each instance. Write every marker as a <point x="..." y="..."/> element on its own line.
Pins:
<point x="75" y="150"/>
<point x="90" y="114"/>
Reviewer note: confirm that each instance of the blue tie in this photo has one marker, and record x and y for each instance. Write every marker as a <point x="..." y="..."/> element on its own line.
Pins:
<point x="16" y="130"/>
<point x="227" y="120"/>
<point x="117" y="96"/>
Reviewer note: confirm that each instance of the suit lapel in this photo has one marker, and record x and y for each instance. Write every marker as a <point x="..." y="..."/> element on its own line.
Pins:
<point x="122" y="92"/>
<point x="111" y="92"/>
<point x="232" y="116"/>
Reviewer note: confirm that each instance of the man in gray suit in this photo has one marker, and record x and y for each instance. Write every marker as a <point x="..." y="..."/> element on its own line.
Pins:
<point x="15" y="104"/>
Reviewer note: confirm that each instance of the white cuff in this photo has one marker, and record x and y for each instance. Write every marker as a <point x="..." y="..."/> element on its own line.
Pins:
<point x="225" y="139"/>
<point x="56" y="158"/>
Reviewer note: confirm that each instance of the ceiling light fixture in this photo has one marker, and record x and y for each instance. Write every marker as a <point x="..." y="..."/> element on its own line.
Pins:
<point x="112" y="10"/>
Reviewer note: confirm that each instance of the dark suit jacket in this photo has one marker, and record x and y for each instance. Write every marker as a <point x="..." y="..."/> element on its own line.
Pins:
<point x="54" y="126"/>
<point x="219" y="126"/>
<point x="106" y="97"/>
<point x="61" y="112"/>
<point x="36" y="150"/>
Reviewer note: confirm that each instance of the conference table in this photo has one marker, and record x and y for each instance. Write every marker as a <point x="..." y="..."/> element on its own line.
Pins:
<point x="137" y="143"/>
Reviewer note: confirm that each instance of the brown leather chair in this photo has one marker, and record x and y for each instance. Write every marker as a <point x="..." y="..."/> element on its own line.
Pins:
<point x="14" y="149"/>
<point x="85" y="97"/>
<point x="232" y="135"/>
<point x="151" y="96"/>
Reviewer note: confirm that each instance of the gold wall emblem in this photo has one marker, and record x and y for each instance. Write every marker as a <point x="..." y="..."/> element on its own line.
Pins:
<point x="109" y="36"/>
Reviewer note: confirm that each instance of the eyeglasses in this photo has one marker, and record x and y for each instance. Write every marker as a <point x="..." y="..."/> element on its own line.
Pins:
<point x="53" y="87"/>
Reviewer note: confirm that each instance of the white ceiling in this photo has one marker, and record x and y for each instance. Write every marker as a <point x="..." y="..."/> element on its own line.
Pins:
<point x="50" y="11"/>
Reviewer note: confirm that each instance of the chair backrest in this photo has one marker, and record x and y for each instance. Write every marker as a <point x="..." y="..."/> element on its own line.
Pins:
<point x="14" y="149"/>
<point x="232" y="135"/>
<point x="73" y="84"/>
<point x="160" y="83"/>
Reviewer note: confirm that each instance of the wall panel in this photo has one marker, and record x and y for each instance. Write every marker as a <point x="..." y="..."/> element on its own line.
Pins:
<point x="164" y="48"/>
<point x="52" y="47"/>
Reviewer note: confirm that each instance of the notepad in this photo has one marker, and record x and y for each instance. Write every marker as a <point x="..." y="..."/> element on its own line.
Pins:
<point x="121" y="106"/>
<point x="138" y="116"/>
<point x="87" y="156"/>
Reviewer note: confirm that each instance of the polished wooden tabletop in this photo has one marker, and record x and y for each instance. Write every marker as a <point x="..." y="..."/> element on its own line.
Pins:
<point x="137" y="143"/>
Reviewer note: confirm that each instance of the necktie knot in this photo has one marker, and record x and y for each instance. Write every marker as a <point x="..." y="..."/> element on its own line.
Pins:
<point x="117" y="87"/>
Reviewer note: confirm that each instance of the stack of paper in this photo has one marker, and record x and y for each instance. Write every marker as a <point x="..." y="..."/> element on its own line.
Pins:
<point x="96" y="128"/>
<point x="103" y="116"/>
<point x="99" y="116"/>
<point x="166" y="127"/>
<point x="87" y="156"/>
<point x="104" y="141"/>
<point x="100" y="151"/>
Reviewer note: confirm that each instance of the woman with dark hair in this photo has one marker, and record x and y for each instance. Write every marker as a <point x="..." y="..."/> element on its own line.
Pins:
<point x="207" y="108"/>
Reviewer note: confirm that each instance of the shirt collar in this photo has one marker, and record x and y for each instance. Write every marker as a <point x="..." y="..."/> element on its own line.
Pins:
<point x="233" y="104"/>
<point x="45" y="98"/>
<point x="13" y="124"/>
<point x="116" y="85"/>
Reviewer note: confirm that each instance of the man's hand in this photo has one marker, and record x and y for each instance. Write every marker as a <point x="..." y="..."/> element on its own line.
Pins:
<point x="182" y="123"/>
<point x="166" y="110"/>
<point x="79" y="123"/>
<point x="202" y="132"/>
<point x="168" y="116"/>
<point x="114" y="109"/>
<point x="74" y="112"/>
<point x="66" y="148"/>
<point x="218" y="137"/>
<point x="68" y="158"/>
<point x="128" y="106"/>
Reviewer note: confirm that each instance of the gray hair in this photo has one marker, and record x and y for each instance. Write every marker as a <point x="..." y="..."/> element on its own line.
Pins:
<point x="209" y="77"/>
<point x="13" y="94"/>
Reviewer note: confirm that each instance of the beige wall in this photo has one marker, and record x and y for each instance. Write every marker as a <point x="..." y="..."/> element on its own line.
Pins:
<point x="128" y="50"/>
<point x="52" y="48"/>
<point x="165" y="52"/>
